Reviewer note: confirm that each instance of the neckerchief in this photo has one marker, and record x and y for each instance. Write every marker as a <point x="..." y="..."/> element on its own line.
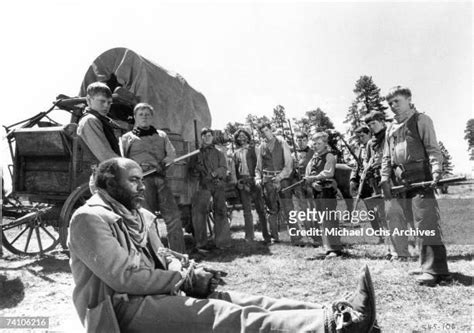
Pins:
<point x="144" y="132"/>
<point x="108" y="126"/>
<point x="133" y="222"/>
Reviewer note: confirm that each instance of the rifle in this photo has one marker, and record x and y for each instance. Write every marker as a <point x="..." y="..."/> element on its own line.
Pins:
<point x="358" y="161"/>
<point x="296" y="171"/>
<point x="298" y="183"/>
<point x="403" y="188"/>
<point x="362" y="182"/>
<point x="176" y="160"/>
<point x="196" y="140"/>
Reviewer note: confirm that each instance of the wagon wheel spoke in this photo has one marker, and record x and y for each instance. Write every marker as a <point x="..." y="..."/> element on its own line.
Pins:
<point x="18" y="236"/>
<point x="30" y="232"/>
<point x="39" y="238"/>
<point x="48" y="233"/>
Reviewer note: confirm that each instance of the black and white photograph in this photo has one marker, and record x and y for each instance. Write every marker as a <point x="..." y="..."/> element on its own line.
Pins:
<point x="237" y="166"/>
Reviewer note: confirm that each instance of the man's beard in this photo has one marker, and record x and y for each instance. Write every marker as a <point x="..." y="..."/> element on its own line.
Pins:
<point x="126" y="198"/>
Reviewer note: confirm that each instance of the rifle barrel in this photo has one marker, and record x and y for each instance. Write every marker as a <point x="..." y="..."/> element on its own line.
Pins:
<point x="401" y="188"/>
<point x="176" y="160"/>
<point x="292" y="185"/>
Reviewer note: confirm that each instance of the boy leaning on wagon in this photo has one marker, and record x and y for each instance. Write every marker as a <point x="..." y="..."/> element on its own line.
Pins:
<point x="95" y="129"/>
<point x="126" y="281"/>
<point x="152" y="149"/>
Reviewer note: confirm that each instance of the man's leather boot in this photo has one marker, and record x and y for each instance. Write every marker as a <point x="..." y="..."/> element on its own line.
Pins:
<point x="357" y="315"/>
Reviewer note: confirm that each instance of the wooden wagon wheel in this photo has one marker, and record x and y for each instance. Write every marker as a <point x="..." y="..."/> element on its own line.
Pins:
<point x="28" y="229"/>
<point x="75" y="200"/>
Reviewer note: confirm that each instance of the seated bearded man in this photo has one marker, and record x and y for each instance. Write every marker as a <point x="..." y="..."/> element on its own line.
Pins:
<point x="126" y="281"/>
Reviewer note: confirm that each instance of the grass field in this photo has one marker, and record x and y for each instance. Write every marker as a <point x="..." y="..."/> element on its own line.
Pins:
<point x="43" y="285"/>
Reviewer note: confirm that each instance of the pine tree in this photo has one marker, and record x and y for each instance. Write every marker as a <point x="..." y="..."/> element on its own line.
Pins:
<point x="469" y="137"/>
<point x="447" y="160"/>
<point x="282" y="125"/>
<point x="314" y="121"/>
<point x="254" y="122"/>
<point x="367" y="99"/>
<point x="368" y="94"/>
<point x="447" y="165"/>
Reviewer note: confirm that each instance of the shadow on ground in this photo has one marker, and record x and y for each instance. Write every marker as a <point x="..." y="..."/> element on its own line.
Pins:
<point x="239" y="249"/>
<point x="41" y="267"/>
<point x="12" y="291"/>
<point x="465" y="280"/>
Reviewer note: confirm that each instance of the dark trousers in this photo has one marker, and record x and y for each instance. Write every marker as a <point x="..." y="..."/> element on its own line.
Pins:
<point x="250" y="193"/>
<point x="326" y="202"/>
<point x="433" y="257"/>
<point x="278" y="203"/>
<point x="200" y="210"/>
<point x="303" y="200"/>
<point x="158" y="196"/>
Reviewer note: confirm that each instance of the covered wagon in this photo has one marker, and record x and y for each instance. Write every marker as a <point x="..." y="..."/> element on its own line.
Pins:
<point x="51" y="166"/>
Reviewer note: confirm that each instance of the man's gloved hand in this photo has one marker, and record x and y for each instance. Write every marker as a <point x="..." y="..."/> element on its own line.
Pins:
<point x="202" y="281"/>
<point x="217" y="278"/>
<point x="354" y="188"/>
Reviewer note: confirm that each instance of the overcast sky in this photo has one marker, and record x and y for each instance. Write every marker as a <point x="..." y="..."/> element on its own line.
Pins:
<point x="247" y="57"/>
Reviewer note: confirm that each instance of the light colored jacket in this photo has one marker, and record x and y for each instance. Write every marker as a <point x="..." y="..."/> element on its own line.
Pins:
<point x="151" y="149"/>
<point x="105" y="262"/>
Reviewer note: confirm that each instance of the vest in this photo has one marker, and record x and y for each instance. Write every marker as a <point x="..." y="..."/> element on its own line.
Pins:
<point x="415" y="148"/>
<point x="273" y="160"/>
<point x="251" y="158"/>
<point x="318" y="165"/>
<point x="417" y="167"/>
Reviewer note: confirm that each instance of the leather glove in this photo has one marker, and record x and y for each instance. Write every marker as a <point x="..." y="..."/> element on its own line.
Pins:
<point x="202" y="281"/>
<point x="197" y="283"/>
<point x="217" y="278"/>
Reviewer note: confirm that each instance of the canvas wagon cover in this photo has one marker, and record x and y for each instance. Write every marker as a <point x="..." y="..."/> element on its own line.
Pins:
<point x="175" y="102"/>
